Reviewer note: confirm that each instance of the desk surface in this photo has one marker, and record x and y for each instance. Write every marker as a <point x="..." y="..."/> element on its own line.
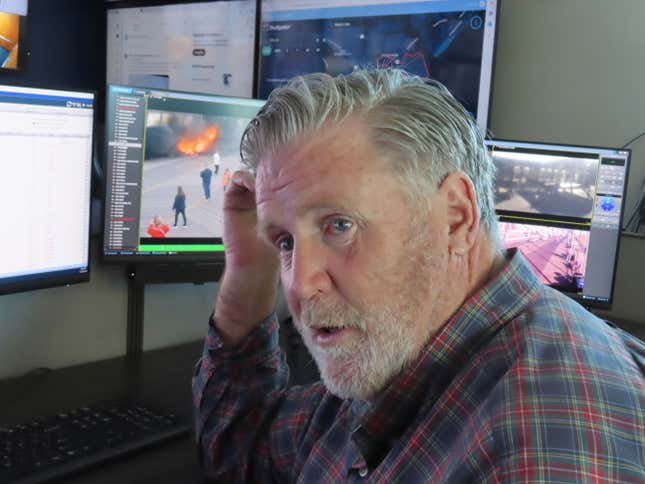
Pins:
<point x="160" y="377"/>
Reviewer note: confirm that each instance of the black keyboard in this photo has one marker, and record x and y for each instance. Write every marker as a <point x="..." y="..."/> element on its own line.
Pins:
<point x="54" y="447"/>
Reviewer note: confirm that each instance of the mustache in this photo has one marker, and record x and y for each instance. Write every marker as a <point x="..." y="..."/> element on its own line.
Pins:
<point x="325" y="313"/>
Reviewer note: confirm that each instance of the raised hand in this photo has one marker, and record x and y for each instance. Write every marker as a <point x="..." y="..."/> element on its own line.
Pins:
<point x="248" y="289"/>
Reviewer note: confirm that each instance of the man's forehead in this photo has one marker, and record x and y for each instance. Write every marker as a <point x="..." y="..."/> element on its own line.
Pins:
<point x="342" y="149"/>
<point x="333" y="171"/>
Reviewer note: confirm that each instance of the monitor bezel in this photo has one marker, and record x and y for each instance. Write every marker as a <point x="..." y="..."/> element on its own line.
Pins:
<point x="185" y="259"/>
<point x="493" y="67"/>
<point x="588" y="303"/>
<point x="44" y="280"/>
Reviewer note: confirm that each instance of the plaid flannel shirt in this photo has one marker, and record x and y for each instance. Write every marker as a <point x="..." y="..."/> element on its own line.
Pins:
<point x="520" y="385"/>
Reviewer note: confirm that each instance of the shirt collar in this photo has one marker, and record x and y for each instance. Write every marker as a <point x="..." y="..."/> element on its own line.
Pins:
<point x="503" y="298"/>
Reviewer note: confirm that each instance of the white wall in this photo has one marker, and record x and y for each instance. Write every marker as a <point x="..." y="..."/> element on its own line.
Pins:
<point x="64" y="326"/>
<point x="567" y="71"/>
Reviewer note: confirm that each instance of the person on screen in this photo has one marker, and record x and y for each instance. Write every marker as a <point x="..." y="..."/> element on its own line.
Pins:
<point x="226" y="179"/>
<point x="443" y="358"/>
<point x="157" y="228"/>
<point x="216" y="162"/>
<point x="179" y="205"/>
<point x="206" y="174"/>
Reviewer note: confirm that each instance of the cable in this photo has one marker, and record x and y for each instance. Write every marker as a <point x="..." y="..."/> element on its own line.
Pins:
<point x="635" y="218"/>
<point x="635" y="138"/>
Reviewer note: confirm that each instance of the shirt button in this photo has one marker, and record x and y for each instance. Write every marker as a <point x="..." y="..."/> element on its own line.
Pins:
<point x="362" y="471"/>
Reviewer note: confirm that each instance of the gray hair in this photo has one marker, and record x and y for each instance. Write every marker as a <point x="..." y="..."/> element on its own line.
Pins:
<point x="414" y="122"/>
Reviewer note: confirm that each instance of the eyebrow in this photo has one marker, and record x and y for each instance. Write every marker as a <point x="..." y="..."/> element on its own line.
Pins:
<point x="264" y="228"/>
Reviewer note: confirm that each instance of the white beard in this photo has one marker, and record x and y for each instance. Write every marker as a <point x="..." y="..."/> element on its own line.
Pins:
<point x="365" y="366"/>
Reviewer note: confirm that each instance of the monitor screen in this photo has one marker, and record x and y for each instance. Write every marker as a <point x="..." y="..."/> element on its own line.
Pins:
<point x="451" y="41"/>
<point x="45" y="175"/>
<point x="562" y="207"/>
<point x="170" y="156"/>
<point x="200" y="47"/>
<point x="13" y="24"/>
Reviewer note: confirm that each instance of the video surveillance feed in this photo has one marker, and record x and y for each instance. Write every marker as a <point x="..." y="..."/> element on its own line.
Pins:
<point x="557" y="255"/>
<point x="547" y="184"/>
<point x="561" y="205"/>
<point x="170" y="157"/>
<point x="188" y="164"/>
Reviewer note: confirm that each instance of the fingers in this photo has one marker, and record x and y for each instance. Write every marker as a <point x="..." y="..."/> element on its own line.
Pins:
<point x="240" y="193"/>
<point x="244" y="178"/>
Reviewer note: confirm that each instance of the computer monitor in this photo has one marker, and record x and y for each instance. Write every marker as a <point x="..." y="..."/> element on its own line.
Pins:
<point x="451" y="41"/>
<point x="45" y="174"/>
<point x="199" y="46"/>
<point x="13" y="30"/>
<point x="169" y="158"/>
<point x="562" y="207"/>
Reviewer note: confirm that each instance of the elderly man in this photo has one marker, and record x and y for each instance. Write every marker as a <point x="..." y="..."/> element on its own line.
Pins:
<point x="443" y="359"/>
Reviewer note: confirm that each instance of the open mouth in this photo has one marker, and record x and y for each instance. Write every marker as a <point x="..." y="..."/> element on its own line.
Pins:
<point x="330" y="336"/>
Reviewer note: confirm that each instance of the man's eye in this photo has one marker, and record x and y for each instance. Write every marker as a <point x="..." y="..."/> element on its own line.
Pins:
<point x="285" y="243"/>
<point x="340" y="225"/>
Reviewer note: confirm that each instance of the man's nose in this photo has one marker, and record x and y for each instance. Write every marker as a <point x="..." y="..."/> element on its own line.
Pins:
<point x="308" y="275"/>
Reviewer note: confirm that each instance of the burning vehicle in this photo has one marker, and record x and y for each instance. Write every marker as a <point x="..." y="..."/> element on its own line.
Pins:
<point x="172" y="135"/>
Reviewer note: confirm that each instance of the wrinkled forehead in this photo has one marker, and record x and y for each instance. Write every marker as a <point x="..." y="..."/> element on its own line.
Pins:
<point x="337" y="152"/>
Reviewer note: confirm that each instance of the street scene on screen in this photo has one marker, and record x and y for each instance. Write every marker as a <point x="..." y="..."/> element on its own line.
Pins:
<point x="558" y="256"/>
<point x="545" y="184"/>
<point x="191" y="154"/>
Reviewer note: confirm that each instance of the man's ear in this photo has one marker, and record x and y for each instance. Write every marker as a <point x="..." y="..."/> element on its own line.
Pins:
<point x="463" y="215"/>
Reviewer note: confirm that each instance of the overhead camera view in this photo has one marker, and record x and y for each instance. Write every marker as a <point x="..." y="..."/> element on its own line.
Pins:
<point x="188" y="164"/>
<point x="555" y="185"/>
<point x="558" y="256"/>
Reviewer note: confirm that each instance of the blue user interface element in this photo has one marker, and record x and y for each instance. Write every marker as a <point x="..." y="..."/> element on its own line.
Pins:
<point x="418" y="37"/>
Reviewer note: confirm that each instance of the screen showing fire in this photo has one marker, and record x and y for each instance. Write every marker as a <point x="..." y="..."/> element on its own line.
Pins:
<point x="170" y="157"/>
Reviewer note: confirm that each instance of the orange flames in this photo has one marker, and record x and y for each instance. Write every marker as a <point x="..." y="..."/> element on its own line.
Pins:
<point x="201" y="143"/>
